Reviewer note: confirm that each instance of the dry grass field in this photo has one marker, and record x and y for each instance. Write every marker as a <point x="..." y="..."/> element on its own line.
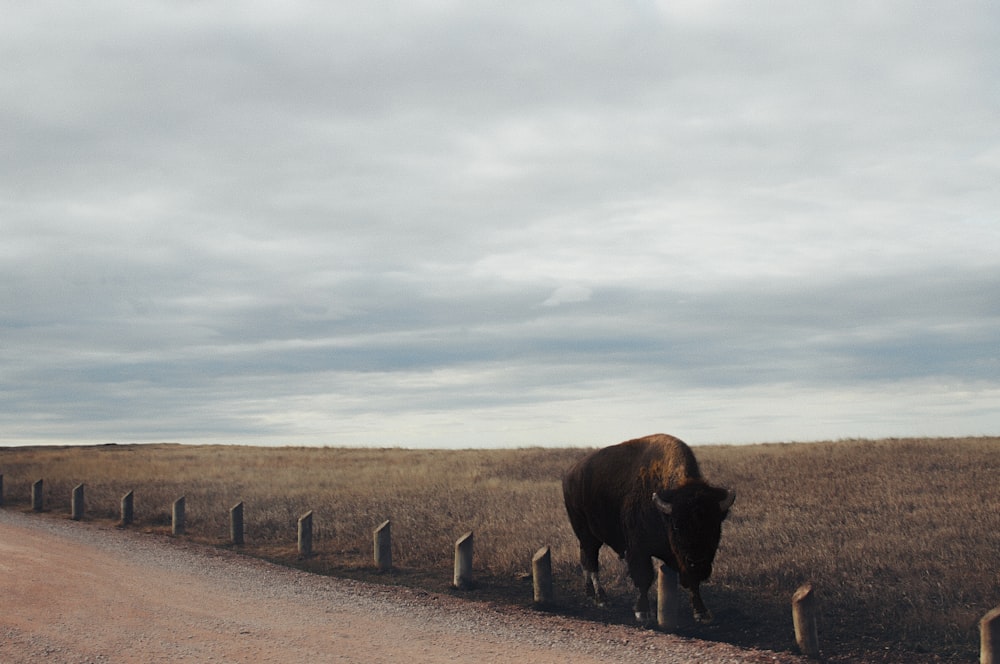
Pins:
<point x="901" y="538"/>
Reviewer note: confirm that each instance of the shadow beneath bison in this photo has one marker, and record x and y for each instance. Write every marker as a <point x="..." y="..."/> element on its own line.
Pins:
<point x="738" y="621"/>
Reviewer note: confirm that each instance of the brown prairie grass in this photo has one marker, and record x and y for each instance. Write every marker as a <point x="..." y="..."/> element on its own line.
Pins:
<point x="901" y="538"/>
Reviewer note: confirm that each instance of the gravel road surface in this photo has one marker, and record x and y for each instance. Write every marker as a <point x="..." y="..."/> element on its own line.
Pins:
<point x="85" y="592"/>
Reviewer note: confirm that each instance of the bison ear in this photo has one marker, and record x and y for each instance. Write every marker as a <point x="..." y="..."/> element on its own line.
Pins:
<point x="662" y="505"/>
<point x="727" y="501"/>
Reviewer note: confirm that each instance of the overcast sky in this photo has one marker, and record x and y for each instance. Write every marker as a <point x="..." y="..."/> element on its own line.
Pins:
<point x="460" y="224"/>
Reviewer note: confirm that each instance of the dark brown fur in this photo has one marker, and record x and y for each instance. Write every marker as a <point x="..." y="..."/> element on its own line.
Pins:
<point x="609" y="500"/>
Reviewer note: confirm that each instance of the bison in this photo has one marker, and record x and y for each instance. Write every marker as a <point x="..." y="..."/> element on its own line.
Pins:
<point x="646" y="498"/>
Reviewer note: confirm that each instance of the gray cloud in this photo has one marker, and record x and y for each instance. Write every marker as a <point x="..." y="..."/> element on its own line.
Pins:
<point x="436" y="224"/>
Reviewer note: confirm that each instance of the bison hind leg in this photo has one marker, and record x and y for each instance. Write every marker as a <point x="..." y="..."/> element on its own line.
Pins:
<point x="594" y="589"/>
<point x="589" y="561"/>
<point x="643" y="614"/>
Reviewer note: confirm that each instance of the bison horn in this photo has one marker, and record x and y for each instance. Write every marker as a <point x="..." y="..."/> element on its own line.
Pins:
<point x="727" y="502"/>
<point x="662" y="505"/>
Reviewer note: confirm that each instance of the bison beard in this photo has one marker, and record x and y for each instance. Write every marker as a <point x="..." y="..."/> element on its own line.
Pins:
<point x="646" y="498"/>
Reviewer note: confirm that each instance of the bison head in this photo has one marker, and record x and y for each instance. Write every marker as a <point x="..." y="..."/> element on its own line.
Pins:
<point x="693" y="516"/>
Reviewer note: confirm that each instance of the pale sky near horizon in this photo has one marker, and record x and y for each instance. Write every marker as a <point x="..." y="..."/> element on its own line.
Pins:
<point x="444" y="224"/>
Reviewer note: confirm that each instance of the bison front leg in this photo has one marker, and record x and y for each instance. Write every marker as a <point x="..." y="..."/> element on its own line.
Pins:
<point x="641" y="570"/>
<point x="701" y="612"/>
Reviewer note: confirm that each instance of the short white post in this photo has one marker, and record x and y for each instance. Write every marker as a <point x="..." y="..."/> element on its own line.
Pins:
<point x="463" y="562"/>
<point x="306" y="534"/>
<point x="989" y="638"/>
<point x="541" y="574"/>
<point x="37" y="491"/>
<point x="382" y="544"/>
<point x="178" y="517"/>
<point x="128" y="508"/>
<point x="236" y="524"/>
<point x="76" y="504"/>
<point x="667" y="599"/>
<point x="804" y="620"/>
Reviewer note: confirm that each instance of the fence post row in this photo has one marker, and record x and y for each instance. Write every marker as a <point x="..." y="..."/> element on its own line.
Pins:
<point x="128" y="509"/>
<point x="305" y="534"/>
<point x="236" y="524"/>
<point x="76" y="505"/>
<point x="382" y="544"/>
<point x="804" y="620"/>
<point x="463" y="562"/>
<point x="177" y="521"/>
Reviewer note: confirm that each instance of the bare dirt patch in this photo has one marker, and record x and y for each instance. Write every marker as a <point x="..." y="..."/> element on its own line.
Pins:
<point x="90" y="592"/>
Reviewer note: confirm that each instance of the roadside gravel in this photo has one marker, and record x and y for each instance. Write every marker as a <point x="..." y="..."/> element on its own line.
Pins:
<point x="88" y="592"/>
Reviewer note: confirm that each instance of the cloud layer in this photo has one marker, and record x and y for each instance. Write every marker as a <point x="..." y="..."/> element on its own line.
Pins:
<point x="447" y="224"/>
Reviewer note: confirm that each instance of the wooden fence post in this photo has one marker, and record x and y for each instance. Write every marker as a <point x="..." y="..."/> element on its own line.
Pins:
<point x="989" y="638"/>
<point x="804" y="620"/>
<point x="36" y="495"/>
<point x="178" y="517"/>
<point x="236" y="524"/>
<point x="128" y="509"/>
<point x="667" y="599"/>
<point x="541" y="574"/>
<point x="306" y="534"/>
<point x="76" y="504"/>
<point x="382" y="541"/>
<point x="463" y="562"/>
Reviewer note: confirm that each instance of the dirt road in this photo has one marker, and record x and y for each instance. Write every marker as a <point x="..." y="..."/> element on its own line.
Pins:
<point x="85" y="592"/>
